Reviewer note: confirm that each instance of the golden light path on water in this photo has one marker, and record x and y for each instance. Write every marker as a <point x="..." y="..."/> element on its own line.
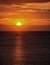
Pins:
<point x="19" y="51"/>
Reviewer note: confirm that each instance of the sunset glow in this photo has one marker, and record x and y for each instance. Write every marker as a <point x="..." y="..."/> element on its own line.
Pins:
<point x="24" y="32"/>
<point x="24" y="14"/>
<point x="19" y="24"/>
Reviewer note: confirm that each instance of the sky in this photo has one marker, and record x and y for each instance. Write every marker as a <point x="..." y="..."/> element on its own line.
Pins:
<point x="30" y="12"/>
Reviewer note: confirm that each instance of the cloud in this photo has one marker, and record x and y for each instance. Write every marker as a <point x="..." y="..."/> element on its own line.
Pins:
<point x="21" y="1"/>
<point x="25" y="10"/>
<point x="31" y="7"/>
<point x="36" y="5"/>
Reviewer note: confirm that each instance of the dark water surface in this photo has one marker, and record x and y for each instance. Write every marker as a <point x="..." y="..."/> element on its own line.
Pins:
<point x="24" y="48"/>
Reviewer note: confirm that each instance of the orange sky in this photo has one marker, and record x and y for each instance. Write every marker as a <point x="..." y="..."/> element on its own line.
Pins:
<point x="30" y="14"/>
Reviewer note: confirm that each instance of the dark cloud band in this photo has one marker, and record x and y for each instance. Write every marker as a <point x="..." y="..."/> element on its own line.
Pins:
<point x="21" y="1"/>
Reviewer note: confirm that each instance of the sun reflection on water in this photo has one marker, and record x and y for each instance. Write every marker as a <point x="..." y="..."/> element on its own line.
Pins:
<point x="19" y="51"/>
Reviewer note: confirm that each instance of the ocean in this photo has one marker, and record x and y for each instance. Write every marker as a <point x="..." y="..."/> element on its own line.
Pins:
<point x="24" y="48"/>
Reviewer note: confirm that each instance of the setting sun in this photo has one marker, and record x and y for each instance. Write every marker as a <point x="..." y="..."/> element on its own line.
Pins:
<point x="19" y="24"/>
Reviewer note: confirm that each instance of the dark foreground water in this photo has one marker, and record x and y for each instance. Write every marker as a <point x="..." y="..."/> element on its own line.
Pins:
<point x="24" y="48"/>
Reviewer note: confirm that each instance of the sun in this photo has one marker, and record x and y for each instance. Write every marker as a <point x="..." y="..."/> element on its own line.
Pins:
<point x="19" y="24"/>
